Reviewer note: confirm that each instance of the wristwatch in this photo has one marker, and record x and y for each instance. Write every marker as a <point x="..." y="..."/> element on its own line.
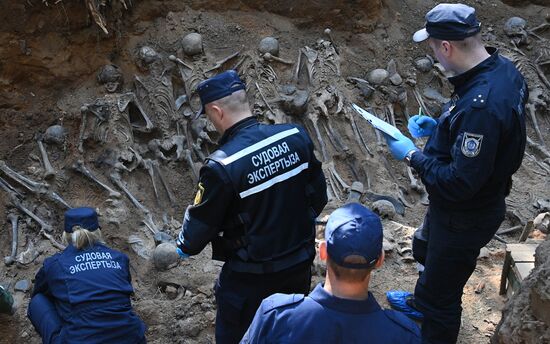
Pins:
<point x="409" y="155"/>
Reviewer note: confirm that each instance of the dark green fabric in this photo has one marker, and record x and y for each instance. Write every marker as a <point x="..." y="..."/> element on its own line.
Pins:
<point x="6" y="302"/>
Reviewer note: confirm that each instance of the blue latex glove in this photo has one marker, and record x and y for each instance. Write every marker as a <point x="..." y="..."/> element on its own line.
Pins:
<point x="181" y="254"/>
<point x="420" y="126"/>
<point x="399" y="148"/>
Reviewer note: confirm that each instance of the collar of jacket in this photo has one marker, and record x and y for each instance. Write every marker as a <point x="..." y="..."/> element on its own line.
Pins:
<point x="231" y="131"/>
<point x="485" y="65"/>
<point x="323" y="297"/>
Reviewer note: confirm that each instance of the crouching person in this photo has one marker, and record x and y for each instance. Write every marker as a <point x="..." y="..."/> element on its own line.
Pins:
<point x="82" y="295"/>
<point x="342" y="310"/>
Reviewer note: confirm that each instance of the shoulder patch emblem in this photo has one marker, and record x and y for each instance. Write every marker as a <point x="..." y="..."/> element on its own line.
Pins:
<point x="471" y="144"/>
<point x="198" y="196"/>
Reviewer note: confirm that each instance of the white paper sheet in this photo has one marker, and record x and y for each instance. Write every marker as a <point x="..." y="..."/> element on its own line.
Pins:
<point x="377" y="123"/>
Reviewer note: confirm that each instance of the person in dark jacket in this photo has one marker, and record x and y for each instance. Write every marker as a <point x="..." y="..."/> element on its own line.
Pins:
<point x="258" y="197"/>
<point x="342" y="309"/>
<point x="82" y="295"/>
<point x="473" y="149"/>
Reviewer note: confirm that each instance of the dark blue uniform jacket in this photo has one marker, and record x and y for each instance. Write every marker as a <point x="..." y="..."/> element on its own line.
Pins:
<point x="480" y="138"/>
<point x="91" y="290"/>
<point x="262" y="188"/>
<point x="324" y="318"/>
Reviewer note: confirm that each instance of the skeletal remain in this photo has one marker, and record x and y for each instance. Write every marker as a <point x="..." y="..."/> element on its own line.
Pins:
<point x="111" y="77"/>
<point x="39" y="189"/>
<point x="81" y="168"/>
<point x="328" y="32"/>
<point x="54" y="242"/>
<point x="357" y="133"/>
<point x="270" y="57"/>
<point x="263" y="98"/>
<point x="306" y="60"/>
<point x="531" y="107"/>
<point x="49" y="172"/>
<point x="192" y="44"/>
<point x="223" y="61"/>
<point x="155" y="147"/>
<point x="147" y="55"/>
<point x="314" y="118"/>
<point x="336" y="177"/>
<point x="115" y="178"/>
<point x="148" y="220"/>
<point x="29" y="255"/>
<point x="269" y="45"/>
<point x="433" y="94"/>
<point x="21" y="179"/>
<point x="364" y="86"/>
<point x="83" y="120"/>
<point x="191" y="163"/>
<point x="539" y="148"/>
<point x="164" y="184"/>
<point x="14" y="238"/>
<point x="43" y="225"/>
<point x="355" y="192"/>
<point x="420" y="101"/>
<point x="96" y="14"/>
<point x="424" y="64"/>
<point x="180" y="62"/>
<point x="377" y="76"/>
<point x="384" y="208"/>
<point x="415" y="185"/>
<point x="148" y="165"/>
<point x="55" y="134"/>
<point x="333" y="191"/>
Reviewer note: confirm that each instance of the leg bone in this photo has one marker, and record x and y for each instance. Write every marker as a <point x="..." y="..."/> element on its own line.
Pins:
<point x="54" y="242"/>
<point x="40" y="189"/>
<point x="148" y="165"/>
<point x="49" y="171"/>
<point x="313" y="117"/>
<point x="14" y="238"/>
<point x="269" y="57"/>
<point x="17" y="203"/>
<point x="115" y="178"/>
<point x="79" y="167"/>
<point x="164" y="184"/>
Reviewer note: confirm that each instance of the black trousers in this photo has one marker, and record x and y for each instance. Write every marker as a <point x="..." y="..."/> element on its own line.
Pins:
<point x="238" y="296"/>
<point x="454" y="239"/>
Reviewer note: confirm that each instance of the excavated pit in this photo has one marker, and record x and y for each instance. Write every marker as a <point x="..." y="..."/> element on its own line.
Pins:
<point x="53" y="51"/>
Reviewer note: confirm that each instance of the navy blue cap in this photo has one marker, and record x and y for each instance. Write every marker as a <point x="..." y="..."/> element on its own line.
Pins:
<point x="453" y="22"/>
<point x="218" y="87"/>
<point x="354" y="230"/>
<point x="83" y="217"/>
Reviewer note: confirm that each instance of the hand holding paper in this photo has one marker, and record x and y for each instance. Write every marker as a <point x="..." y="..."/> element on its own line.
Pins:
<point x="399" y="147"/>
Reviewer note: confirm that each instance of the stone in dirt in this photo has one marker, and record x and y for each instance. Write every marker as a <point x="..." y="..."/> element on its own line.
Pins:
<point x="23" y="285"/>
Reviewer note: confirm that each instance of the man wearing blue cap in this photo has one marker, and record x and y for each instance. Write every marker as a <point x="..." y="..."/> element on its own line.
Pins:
<point x="82" y="295"/>
<point x="258" y="197"/>
<point x="473" y="149"/>
<point x="342" y="310"/>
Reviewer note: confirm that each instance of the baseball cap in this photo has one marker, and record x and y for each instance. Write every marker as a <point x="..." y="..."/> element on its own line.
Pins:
<point x="354" y="230"/>
<point x="217" y="87"/>
<point x="83" y="217"/>
<point x="452" y="22"/>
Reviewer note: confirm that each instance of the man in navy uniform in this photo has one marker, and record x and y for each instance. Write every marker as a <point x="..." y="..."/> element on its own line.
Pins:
<point x="82" y="295"/>
<point x="473" y="149"/>
<point x="258" y="197"/>
<point x="342" y="310"/>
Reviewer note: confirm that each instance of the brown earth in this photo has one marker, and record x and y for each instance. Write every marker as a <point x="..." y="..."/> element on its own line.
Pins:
<point x="49" y="62"/>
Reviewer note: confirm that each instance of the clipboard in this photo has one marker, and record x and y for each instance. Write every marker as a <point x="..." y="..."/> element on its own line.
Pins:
<point x="377" y="123"/>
